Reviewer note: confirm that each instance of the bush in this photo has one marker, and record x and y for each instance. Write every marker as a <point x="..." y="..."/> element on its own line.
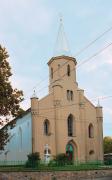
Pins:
<point x="33" y="160"/>
<point x="61" y="159"/>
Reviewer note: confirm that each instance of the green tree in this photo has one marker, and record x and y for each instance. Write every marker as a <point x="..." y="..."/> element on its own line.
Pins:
<point x="107" y="144"/>
<point x="9" y="98"/>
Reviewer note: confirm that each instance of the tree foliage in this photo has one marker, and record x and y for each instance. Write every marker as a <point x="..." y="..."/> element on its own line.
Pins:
<point x="3" y="138"/>
<point x="107" y="144"/>
<point x="9" y="98"/>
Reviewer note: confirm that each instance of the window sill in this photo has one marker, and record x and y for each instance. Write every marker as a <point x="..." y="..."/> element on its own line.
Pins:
<point x="72" y="136"/>
<point x="49" y="134"/>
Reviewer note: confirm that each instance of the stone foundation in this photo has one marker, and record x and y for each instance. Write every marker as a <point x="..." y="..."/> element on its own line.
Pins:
<point x="79" y="175"/>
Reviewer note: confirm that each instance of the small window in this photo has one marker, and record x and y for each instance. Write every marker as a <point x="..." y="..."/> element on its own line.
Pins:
<point x="51" y="73"/>
<point x="68" y="70"/>
<point x="91" y="131"/>
<point x="46" y="127"/>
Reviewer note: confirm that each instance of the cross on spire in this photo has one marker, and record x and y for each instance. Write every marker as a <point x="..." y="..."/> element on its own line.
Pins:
<point x="61" y="47"/>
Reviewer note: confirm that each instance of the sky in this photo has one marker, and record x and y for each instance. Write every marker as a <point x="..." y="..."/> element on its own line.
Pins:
<point x="28" y="30"/>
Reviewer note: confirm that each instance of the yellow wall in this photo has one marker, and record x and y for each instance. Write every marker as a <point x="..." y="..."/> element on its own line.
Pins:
<point x="56" y="108"/>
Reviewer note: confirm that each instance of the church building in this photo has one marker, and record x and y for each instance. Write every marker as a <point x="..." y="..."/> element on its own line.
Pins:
<point x="64" y="121"/>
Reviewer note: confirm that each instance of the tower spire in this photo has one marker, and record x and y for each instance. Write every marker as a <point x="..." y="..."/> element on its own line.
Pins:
<point x="61" y="46"/>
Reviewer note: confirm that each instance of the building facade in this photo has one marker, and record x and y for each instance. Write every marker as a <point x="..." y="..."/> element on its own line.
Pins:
<point x="64" y="121"/>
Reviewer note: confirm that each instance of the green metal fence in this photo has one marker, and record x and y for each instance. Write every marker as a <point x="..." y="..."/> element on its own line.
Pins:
<point x="52" y="166"/>
<point x="11" y="163"/>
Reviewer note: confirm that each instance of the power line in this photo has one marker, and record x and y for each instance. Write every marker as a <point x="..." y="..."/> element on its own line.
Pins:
<point x="52" y="108"/>
<point x="106" y="97"/>
<point x="102" y="98"/>
<point x="79" y="52"/>
<point x="73" y="104"/>
<point x="92" y="99"/>
<point x="85" y="61"/>
<point x="97" y="53"/>
<point x="92" y="42"/>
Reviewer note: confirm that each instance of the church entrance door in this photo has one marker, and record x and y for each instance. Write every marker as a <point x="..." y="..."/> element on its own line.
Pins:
<point x="70" y="152"/>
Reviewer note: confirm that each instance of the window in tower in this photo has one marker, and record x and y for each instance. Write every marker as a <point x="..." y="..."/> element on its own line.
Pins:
<point x="68" y="70"/>
<point x="51" y="73"/>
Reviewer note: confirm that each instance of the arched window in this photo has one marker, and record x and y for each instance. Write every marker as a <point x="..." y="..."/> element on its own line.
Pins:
<point x="46" y="127"/>
<point x="68" y="70"/>
<point x="20" y="138"/>
<point x="70" y="125"/>
<point x="51" y="73"/>
<point x="91" y="131"/>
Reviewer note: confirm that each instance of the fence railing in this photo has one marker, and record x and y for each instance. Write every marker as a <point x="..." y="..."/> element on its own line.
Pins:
<point x="12" y="163"/>
<point x="53" y="165"/>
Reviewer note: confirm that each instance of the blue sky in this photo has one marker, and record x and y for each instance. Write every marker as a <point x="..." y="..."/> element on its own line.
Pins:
<point x="28" y="29"/>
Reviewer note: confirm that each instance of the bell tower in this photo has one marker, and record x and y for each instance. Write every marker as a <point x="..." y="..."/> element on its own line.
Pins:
<point x="62" y="66"/>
